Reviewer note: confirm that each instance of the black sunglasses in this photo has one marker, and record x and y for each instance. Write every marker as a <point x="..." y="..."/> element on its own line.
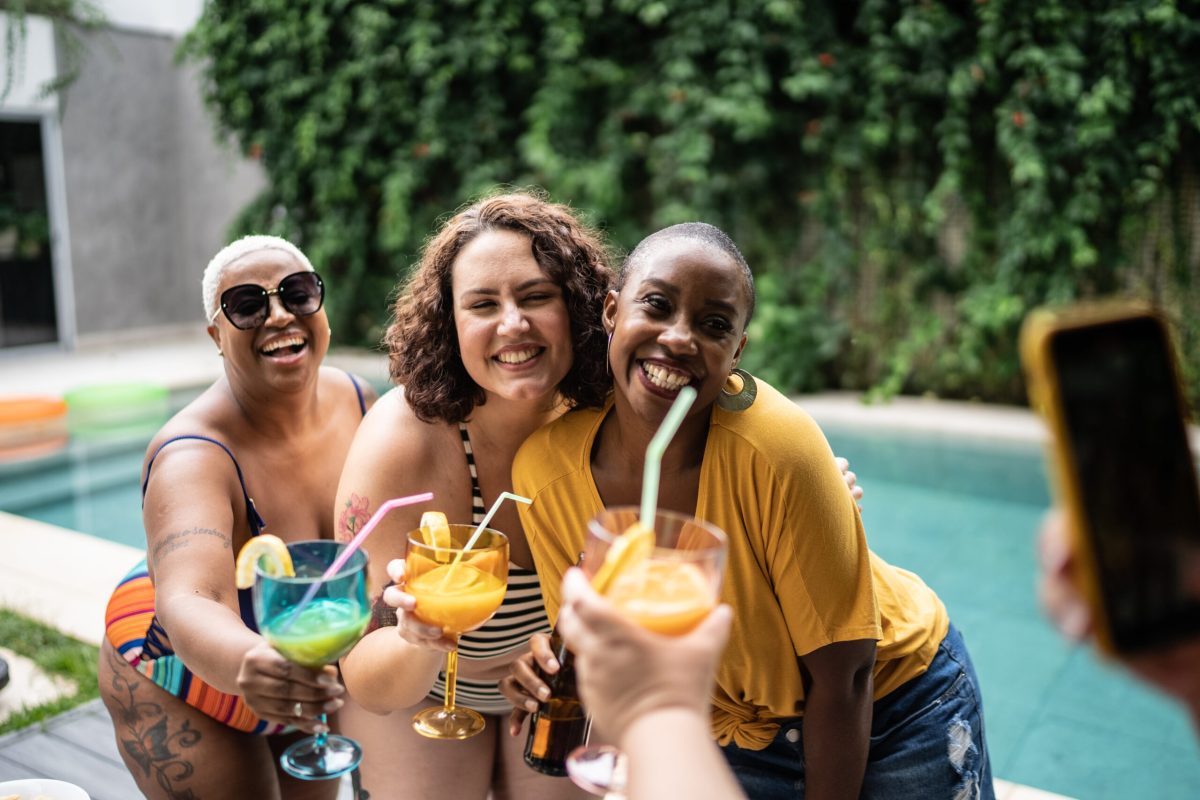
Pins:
<point x="248" y="305"/>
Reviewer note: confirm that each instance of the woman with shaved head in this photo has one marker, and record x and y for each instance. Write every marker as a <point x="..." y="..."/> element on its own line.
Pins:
<point x="201" y="704"/>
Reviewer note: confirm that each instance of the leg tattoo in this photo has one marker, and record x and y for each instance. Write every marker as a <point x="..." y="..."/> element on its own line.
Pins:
<point x="143" y="732"/>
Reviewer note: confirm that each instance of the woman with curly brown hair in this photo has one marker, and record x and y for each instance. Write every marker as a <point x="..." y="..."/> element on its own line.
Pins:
<point x="496" y="333"/>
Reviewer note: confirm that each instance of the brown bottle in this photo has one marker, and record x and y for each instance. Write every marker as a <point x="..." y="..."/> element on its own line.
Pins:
<point x="560" y="724"/>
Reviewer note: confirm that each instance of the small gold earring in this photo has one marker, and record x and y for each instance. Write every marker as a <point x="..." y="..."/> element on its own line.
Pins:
<point x="220" y="352"/>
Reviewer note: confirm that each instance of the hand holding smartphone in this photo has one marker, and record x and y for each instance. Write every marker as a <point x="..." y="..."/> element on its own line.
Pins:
<point x="1104" y="378"/>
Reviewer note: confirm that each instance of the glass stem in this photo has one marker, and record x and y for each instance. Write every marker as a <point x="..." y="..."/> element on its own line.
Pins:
<point x="451" y="677"/>
<point x="321" y="734"/>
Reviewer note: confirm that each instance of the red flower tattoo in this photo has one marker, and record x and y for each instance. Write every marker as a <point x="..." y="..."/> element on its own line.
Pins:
<point x="355" y="514"/>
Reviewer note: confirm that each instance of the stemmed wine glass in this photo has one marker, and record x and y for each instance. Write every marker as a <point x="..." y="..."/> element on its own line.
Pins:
<point x="670" y="592"/>
<point x="324" y="630"/>
<point x="457" y="589"/>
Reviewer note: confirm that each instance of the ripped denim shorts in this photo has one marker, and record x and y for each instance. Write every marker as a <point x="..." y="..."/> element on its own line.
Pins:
<point x="927" y="741"/>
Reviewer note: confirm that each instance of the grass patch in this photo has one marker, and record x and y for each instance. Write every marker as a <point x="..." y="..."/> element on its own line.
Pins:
<point x="56" y="654"/>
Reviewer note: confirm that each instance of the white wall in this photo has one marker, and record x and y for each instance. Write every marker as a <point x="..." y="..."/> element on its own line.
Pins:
<point x="37" y="67"/>
<point x="164" y="17"/>
<point x="172" y="17"/>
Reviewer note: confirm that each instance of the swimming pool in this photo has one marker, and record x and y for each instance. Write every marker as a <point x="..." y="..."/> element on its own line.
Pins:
<point x="91" y="484"/>
<point x="961" y="513"/>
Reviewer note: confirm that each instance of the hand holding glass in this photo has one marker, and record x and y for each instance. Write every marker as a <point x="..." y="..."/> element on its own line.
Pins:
<point x="668" y="592"/>
<point x="457" y="590"/>
<point x="323" y="631"/>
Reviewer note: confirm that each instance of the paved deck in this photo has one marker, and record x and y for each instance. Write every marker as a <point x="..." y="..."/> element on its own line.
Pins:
<point x="77" y="747"/>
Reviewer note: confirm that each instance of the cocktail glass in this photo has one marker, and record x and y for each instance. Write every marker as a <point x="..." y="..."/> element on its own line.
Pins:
<point x="457" y="590"/>
<point x="670" y="592"/>
<point x="323" y="631"/>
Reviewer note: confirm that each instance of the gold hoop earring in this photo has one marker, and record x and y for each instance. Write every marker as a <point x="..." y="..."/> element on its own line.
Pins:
<point x="739" y="391"/>
<point x="607" y="363"/>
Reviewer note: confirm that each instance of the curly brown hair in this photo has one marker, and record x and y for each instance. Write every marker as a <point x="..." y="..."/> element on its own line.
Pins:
<point x="422" y="341"/>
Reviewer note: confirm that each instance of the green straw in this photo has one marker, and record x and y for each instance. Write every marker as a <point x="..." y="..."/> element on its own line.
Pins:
<point x="654" y="452"/>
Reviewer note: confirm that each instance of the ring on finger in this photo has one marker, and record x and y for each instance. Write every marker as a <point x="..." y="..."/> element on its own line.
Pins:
<point x="298" y="709"/>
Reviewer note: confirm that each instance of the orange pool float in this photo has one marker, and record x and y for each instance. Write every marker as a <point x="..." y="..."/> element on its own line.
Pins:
<point x="31" y="426"/>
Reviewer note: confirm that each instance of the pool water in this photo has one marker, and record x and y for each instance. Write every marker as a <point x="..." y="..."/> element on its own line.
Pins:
<point x="92" y="484"/>
<point x="964" y="515"/>
<point x="960" y="513"/>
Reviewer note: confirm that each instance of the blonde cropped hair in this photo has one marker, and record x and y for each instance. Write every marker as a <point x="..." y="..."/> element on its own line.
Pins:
<point x="231" y="253"/>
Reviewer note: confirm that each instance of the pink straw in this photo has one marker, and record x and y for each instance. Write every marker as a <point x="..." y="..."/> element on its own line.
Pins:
<point x="355" y="543"/>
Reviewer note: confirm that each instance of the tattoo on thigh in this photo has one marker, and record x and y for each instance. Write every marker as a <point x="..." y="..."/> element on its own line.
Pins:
<point x="180" y="539"/>
<point x="355" y="514"/>
<point x="144" y="734"/>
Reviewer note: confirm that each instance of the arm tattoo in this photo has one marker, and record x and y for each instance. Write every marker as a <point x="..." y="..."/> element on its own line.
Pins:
<point x="355" y="514"/>
<point x="180" y="539"/>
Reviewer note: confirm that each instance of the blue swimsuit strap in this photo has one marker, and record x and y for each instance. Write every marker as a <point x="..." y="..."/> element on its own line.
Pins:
<point x="362" y="403"/>
<point x="257" y="523"/>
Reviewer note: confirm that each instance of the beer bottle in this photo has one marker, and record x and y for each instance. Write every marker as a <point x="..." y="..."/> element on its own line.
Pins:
<point x="560" y="724"/>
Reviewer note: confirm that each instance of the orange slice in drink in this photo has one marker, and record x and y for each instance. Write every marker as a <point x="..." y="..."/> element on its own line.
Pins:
<point x="267" y="551"/>
<point x="666" y="597"/>
<point x="435" y="529"/>
<point x="629" y="549"/>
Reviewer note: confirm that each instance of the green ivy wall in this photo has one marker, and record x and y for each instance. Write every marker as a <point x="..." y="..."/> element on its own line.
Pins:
<point x="906" y="178"/>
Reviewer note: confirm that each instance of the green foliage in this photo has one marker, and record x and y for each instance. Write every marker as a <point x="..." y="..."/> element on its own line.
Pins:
<point x="54" y="653"/>
<point x="22" y="232"/>
<point x="907" y="179"/>
<point x="69" y="17"/>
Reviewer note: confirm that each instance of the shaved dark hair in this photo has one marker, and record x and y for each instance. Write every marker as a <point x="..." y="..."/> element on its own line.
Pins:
<point x="700" y="232"/>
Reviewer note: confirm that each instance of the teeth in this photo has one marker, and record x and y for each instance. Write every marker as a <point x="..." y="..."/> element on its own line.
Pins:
<point x="279" y="344"/>
<point x="517" y="356"/>
<point x="666" y="378"/>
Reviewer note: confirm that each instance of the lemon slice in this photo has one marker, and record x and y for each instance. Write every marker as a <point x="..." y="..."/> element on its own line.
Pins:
<point x="632" y="547"/>
<point x="267" y="550"/>
<point x="435" y="529"/>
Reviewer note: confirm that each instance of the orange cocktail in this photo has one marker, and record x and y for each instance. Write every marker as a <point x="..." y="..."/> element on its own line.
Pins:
<point x="458" y="578"/>
<point x="456" y="597"/>
<point x="666" y="576"/>
<point x="667" y="597"/>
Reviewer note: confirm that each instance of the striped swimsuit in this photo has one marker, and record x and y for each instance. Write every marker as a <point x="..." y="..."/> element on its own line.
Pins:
<point x="133" y="629"/>
<point x="522" y="614"/>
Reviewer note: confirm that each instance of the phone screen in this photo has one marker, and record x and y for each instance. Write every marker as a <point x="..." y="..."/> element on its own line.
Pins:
<point x="1136" y="477"/>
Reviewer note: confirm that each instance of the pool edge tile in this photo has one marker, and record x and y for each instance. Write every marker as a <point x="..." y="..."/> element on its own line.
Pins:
<point x="67" y="590"/>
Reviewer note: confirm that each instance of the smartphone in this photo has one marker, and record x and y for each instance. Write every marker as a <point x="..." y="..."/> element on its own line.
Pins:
<point x="1104" y="378"/>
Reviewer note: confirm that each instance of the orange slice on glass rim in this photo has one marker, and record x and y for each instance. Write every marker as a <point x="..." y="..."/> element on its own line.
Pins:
<point x="632" y="547"/>
<point x="269" y="553"/>
<point x="435" y="529"/>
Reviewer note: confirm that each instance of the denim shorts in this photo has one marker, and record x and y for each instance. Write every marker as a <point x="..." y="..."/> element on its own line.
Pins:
<point x="927" y="741"/>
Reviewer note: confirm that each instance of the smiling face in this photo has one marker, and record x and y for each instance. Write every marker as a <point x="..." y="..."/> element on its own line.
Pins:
<point x="514" y="336"/>
<point x="679" y="320"/>
<point x="285" y="351"/>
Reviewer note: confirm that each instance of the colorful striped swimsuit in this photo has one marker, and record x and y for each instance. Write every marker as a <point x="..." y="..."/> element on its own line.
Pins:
<point x="521" y="615"/>
<point x="135" y="632"/>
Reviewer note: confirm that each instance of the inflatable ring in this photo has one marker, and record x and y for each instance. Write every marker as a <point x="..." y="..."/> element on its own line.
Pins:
<point x="30" y="410"/>
<point x="117" y="409"/>
<point x="31" y="426"/>
<point x="105" y="397"/>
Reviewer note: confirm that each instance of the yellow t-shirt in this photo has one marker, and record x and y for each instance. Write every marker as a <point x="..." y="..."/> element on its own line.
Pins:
<point x="798" y="570"/>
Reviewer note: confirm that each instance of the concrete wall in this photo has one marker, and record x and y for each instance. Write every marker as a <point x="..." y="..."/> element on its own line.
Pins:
<point x="149" y="191"/>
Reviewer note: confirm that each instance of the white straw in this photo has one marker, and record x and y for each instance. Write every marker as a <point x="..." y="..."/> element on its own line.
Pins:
<point x="482" y="526"/>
